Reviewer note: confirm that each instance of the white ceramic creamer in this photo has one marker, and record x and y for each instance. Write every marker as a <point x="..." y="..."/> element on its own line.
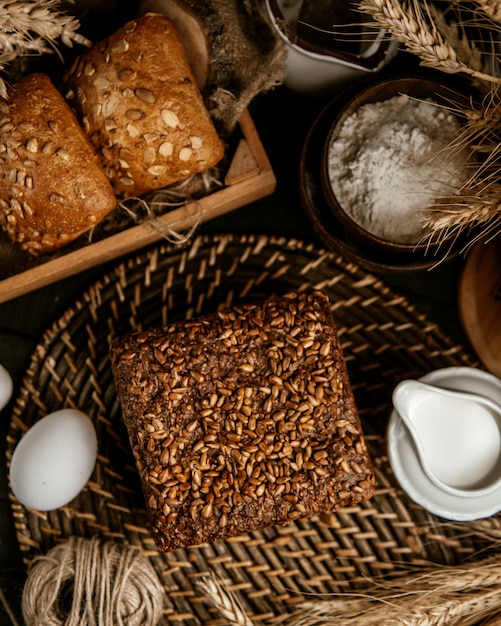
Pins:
<point x="460" y="439"/>
<point x="457" y="436"/>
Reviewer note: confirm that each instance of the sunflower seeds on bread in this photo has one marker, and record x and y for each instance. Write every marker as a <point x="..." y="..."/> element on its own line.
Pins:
<point x="241" y="419"/>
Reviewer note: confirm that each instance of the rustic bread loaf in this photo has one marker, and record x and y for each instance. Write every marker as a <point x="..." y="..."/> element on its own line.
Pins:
<point x="241" y="419"/>
<point x="136" y="98"/>
<point x="52" y="185"/>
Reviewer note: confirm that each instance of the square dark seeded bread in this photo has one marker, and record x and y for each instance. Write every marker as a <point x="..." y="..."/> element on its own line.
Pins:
<point x="241" y="419"/>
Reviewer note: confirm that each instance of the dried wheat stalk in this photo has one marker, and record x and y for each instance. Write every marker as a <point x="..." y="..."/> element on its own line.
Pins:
<point x="487" y="529"/>
<point x="33" y="27"/>
<point x="224" y="601"/>
<point x="450" y="217"/>
<point x="438" y="597"/>
<point x="465" y="610"/>
<point x="478" y="201"/>
<point x="415" y="25"/>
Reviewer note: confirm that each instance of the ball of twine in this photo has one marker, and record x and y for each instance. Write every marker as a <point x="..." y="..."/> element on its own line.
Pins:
<point x="89" y="582"/>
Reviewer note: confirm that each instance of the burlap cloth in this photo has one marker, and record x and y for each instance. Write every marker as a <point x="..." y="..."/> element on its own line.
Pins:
<point x="257" y="56"/>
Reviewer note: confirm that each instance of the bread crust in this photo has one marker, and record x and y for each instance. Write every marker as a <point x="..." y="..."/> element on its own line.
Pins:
<point x="52" y="185"/>
<point x="136" y="98"/>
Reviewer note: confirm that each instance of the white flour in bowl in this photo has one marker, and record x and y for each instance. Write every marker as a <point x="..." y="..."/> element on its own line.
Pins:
<point x="389" y="160"/>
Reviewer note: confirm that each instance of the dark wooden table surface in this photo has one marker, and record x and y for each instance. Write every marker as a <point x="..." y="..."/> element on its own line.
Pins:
<point x="282" y="119"/>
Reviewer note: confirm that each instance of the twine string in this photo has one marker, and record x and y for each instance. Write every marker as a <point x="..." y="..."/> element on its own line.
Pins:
<point x="169" y="234"/>
<point x="86" y="582"/>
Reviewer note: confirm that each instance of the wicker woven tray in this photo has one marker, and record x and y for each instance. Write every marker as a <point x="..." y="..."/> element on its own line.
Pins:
<point x="384" y="340"/>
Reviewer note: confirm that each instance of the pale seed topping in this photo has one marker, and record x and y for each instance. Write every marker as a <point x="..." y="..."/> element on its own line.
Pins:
<point x="15" y="206"/>
<point x="149" y="155"/>
<point x="196" y="142"/>
<point x="110" y="124"/>
<point x="132" y="130"/>
<point x="101" y="82"/>
<point x="97" y="109"/>
<point x="107" y="153"/>
<point x="169" y="118"/>
<point x="146" y="95"/>
<point x="185" y="154"/>
<point x="157" y="170"/>
<point x="166" y="148"/>
<point x="135" y="114"/>
<point x="32" y="145"/>
<point x="126" y="73"/>
<point x="12" y="153"/>
<point x="63" y="154"/>
<point x="150" y="137"/>
<point x="120" y="47"/>
<point x="82" y="96"/>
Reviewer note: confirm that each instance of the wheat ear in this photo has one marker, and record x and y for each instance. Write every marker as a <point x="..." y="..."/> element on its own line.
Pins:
<point x="436" y="597"/>
<point x="42" y="17"/>
<point x="33" y="27"/>
<point x="224" y="601"/>
<point x="420" y="36"/>
<point x="464" y="610"/>
<point x="478" y="200"/>
<point x="491" y="8"/>
<point x="464" y="210"/>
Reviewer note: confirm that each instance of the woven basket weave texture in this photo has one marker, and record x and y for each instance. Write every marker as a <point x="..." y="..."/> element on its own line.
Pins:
<point x="384" y="340"/>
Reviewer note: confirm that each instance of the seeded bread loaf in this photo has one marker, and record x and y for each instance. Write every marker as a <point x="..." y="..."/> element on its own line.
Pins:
<point x="136" y="98"/>
<point x="241" y="420"/>
<point x="52" y="185"/>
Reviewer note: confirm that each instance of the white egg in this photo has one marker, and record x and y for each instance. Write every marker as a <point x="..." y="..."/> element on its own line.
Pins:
<point x="54" y="460"/>
<point x="5" y="387"/>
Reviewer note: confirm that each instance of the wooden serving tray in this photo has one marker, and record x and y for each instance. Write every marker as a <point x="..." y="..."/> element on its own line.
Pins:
<point x="249" y="177"/>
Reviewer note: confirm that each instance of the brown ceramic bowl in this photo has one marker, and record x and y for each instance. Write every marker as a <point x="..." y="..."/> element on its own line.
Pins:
<point x="415" y="87"/>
